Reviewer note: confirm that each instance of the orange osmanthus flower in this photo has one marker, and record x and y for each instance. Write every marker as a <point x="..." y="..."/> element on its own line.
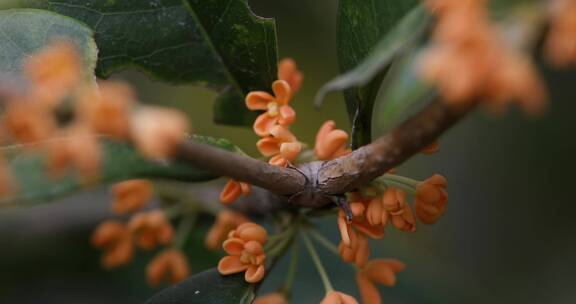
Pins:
<point x="358" y="252"/>
<point x="336" y="297"/>
<point x="277" y="109"/>
<point x="431" y="198"/>
<point x="226" y="221"/>
<point x="330" y="142"/>
<point x="560" y="45"/>
<point x="53" y="72"/>
<point x="157" y="131"/>
<point x="106" y="108"/>
<point x="379" y="271"/>
<point x="79" y="150"/>
<point x="271" y="298"/>
<point x="288" y="71"/>
<point x="151" y="229"/>
<point x="244" y="247"/>
<point x="281" y="145"/>
<point x="170" y="265"/>
<point x="114" y="239"/>
<point x="400" y="212"/>
<point x="363" y="215"/>
<point x="233" y="190"/>
<point x="475" y="65"/>
<point x="28" y="122"/>
<point x="130" y="195"/>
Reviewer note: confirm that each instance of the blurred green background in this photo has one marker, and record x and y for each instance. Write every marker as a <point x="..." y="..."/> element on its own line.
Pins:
<point x="508" y="235"/>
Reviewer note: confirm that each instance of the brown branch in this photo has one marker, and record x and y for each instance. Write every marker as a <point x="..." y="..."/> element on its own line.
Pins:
<point x="276" y="179"/>
<point x="313" y="182"/>
<point x="363" y="165"/>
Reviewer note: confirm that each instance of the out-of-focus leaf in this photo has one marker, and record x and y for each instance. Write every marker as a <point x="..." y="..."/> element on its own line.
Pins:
<point x="384" y="52"/>
<point x="26" y="31"/>
<point x="402" y="92"/>
<point x="119" y="162"/>
<point x="218" y="43"/>
<point x="208" y="287"/>
<point x="361" y="25"/>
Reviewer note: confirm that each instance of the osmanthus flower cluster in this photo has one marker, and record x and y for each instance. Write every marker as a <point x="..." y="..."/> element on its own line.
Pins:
<point x="56" y="83"/>
<point x="382" y="203"/>
<point x="273" y="125"/>
<point x="469" y="65"/>
<point x="466" y="66"/>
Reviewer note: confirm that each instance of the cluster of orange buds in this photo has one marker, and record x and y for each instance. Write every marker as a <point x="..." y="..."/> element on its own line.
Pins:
<point x="57" y="82"/>
<point x="431" y="198"/>
<point x="561" y="42"/>
<point x="379" y="271"/>
<point x="130" y="195"/>
<point x="150" y="229"/>
<point x="170" y="265"/>
<point x="226" y="221"/>
<point x="468" y="65"/>
<point x="372" y="212"/>
<point x="146" y="231"/>
<point x="273" y="126"/>
<point x="115" y="239"/>
<point x="245" y="250"/>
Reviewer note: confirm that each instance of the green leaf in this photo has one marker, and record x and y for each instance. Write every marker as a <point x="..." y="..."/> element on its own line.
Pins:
<point x="119" y="162"/>
<point x="361" y="25"/>
<point x="218" y="43"/>
<point x="207" y="287"/>
<point x="402" y="93"/>
<point x="26" y="31"/>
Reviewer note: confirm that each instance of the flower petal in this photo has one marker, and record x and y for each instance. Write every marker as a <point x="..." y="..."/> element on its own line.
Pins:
<point x="230" y="265"/>
<point x="263" y="124"/>
<point x="368" y="291"/>
<point x="282" y="91"/>
<point x="363" y="251"/>
<point x="335" y="140"/>
<point x="231" y="192"/>
<point x="252" y="232"/>
<point x="268" y="146"/>
<point x="254" y="274"/>
<point x="258" y="100"/>
<point x="383" y="271"/>
<point x="287" y="115"/>
<point x="344" y="231"/>
<point x="290" y="150"/>
<point x="282" y="134"/>
<point x="278" y="160"/>
<point x="324" y="130"/>
<point x="233" y="246"/>
<point x="253" y="247"/>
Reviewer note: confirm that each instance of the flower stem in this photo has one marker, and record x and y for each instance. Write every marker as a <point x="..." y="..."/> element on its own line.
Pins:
<point x="324" y="241"/>
<point x="401" y="179"/>
<point x="316" y="259"/>
<point x="289" y="282"/>
<point x="184" y="228"/>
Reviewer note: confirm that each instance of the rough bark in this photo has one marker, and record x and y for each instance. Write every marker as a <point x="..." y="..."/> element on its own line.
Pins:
<point x="316" y="184"/>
